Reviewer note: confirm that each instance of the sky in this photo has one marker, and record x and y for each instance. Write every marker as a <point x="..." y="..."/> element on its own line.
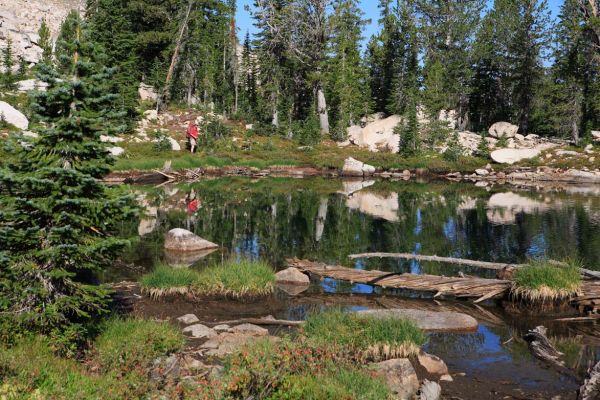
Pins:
<point x="369" y="7"/>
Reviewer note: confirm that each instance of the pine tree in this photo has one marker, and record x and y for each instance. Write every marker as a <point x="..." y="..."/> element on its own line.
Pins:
<point x="66" y="42"/>
<point x="45" y="42"/>
<point x="346" y="74"/>
<point x="249" y="97"/>
<point x="58" y="220"/>
<point x="8" y="63"/>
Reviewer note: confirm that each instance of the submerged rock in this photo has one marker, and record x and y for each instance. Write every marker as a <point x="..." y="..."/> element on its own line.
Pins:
<point x="432" y="321"/>
<point x="400" y="376"/>
<point x="188" y="319"/>
<point x="183" y="240"/>
<point x="292" y="276"/>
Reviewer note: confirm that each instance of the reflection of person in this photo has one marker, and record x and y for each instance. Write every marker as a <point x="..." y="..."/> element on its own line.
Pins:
<point x="191" y="204"/>
<point x="192" y="136"/>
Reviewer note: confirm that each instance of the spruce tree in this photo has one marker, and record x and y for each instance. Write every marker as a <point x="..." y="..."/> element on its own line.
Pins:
<point x="346" y="73"/>
<point x="8" y="63"/>
<point x="45" y="42"/>
<point x="58" y="221"/>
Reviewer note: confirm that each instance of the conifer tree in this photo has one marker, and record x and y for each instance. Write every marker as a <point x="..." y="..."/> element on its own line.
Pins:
<point x="58" y="221"/>
<point x="45" y="42"/>
<point x="347" y="74"/>
<point x="8" y="63"/>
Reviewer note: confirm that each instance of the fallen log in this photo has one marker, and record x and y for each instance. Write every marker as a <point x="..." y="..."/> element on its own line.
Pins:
<point x="462" y="261"/>
<point x="256" y="321"/>
<point x="542" y="349"/>
<point x="590" y="390"/>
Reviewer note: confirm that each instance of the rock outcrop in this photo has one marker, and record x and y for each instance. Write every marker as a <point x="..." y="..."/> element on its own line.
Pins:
<point x="20" y="21"/>
<point x="376" y="135"/>
<point x="13" y="116"/>
<point x="503" y="129"/>
<point x="183" y="240"/>
<point x="147" y="93"/>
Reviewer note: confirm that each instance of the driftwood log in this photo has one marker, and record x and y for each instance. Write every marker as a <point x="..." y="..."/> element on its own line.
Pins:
<point x="256" y="321"/>
<point x="543" y="349"/>
<point x="462" y="261"/>
<point x="590" y="390"/>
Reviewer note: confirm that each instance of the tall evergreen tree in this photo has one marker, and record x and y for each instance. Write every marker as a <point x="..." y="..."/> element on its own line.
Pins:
<point x="58" y="220"/>
<point x="8" y="63"/>
<point x="45" y="42"/>
<point x="346" y="72"/>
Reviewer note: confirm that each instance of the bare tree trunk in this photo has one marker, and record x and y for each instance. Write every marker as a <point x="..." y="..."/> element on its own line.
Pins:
<point x="322" y="110"/>
<point x="164" y="98"/>
<point x="275" y="119"/>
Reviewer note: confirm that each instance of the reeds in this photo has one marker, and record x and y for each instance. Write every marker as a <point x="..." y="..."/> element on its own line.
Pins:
<point x="541" y="282"/>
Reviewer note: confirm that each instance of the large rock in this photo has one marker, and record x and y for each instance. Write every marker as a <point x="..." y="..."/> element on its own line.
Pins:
<point x="596" y="135"/>
<point x="511" y="156"/>
<point x="183" y="240"/>
<point x="354" y="167"/>
<point x="430" y="390"/>
<point x="31" y="84"/>
<point x="21" y="19"/>
<point x="376" y="135"/>
<point x="503" y="129"/>
<point x="400" y="377"/>
<point x="178" y="259"/>
<point x="147" y="93"/>
<point x="432" y="364"/>
<point x="431" y="321"/>
<point x="292" y="276"/>
<point x="175" y="146"/>
<point x="188" y="319"/>
<point x="199" y="331"/>
<point x="13" y="116"/>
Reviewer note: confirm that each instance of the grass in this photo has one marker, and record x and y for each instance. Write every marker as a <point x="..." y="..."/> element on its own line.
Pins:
<point x="254" y="152"/>
<point x="543" y="281"/>
<point x="236" y="279"/>
<point x="116" y="367"/>
<point x="364" y="337"/>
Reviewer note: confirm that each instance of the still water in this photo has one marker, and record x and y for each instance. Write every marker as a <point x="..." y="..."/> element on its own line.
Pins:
<point x="327" y="220"/>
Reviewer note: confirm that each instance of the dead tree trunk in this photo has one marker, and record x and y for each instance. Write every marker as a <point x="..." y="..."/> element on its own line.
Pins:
<point x="163" y="99"/>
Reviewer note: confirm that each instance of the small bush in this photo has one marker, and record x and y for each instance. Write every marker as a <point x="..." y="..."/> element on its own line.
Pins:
<point x="364" y="337"/>
<point x="454" y="150"/>
<point x="483" y="149"/>
<point x="541" y="281"/>
<point x="126" y="344"/>
<point x="162" y="142"/>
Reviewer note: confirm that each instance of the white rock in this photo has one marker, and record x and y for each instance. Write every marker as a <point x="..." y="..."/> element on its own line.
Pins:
<point x="589" y="148"/>
<point x="151" y="115"/>
<point x="354" y="167"/>
<point x="147" y="93"/>
<point x="116" y="151"/>
<point x="503" y="129"/>
<point x="222" y="328"/>
<point x="482" y="172"/>
<point x="567" y="153"/>
<point x="30" y="134"/>
<point x="596" y="135"/>
<point x="532" y="136"/>
<point x="511" y="156"/>
<point x="249" y="127"/>
<point x="430" y="390"/>
<point x="200" y="331"/>
<point x="13" y="116"/>
<point x="110" y="139"/>
<point x="183" y="240"/>
<point x="432" y="364"/>
<point x="519" y="137"/>
<point x="175" y="146"/>
<point x="376" y="135"/>
<point x="31" y="84"/>
<point x="188" y="319"/>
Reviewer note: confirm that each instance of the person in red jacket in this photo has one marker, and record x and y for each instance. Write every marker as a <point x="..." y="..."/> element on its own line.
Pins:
<point x="192" y="136"/>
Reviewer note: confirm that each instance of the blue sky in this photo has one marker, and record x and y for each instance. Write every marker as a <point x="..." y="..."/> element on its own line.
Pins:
<point x="369" y="7"/>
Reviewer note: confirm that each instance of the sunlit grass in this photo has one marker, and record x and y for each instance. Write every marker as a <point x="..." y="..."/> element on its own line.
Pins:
<point x="543" y="281"/>
<point x="365" y="336"/>
<point x="243" y="278"/>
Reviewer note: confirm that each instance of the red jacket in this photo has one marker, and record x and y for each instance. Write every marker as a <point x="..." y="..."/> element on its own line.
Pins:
<point x="192" y="130"/>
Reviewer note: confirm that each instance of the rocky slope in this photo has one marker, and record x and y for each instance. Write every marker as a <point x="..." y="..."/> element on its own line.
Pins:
<point x="21" y="19"/>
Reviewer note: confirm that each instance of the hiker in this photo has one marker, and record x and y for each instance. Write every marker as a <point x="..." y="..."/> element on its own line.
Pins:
<point x="192" y="136"/>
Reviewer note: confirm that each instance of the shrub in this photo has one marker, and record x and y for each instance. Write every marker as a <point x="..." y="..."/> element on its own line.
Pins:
<point x="483" y="149"/>
<point x="454" y="150"/>
<point x="165" y="281"/>
<point x="162" y="142"/>
<point x="126" y="344"/>
<point x="364" y="337"/>
<point x="541" y="281"/>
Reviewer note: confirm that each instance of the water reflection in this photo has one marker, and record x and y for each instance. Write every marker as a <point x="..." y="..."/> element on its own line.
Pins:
<point x="327" y="220"/>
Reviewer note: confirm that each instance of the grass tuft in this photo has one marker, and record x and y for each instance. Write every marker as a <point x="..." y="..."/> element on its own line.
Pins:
<point x="365" y="337"/>
<point x="236" y="279"/>
<point x="543" y="281"/>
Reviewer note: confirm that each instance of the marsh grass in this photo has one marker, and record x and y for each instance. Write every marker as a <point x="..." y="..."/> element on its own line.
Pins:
<point x="234" y="279"/>
<point x="542" y="281"/>
<point x="365" y="337"/>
